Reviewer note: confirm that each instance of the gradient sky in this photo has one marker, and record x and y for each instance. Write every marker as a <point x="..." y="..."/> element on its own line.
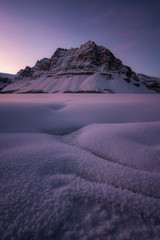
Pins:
<point x="33" y="29"/>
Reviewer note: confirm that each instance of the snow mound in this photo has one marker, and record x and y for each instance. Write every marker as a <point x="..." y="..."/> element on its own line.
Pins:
<point x="136" y="145"/>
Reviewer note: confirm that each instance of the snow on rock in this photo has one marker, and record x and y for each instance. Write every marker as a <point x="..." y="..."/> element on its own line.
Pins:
<point x="79" y="166"/>
<point x="87" y="68"/>
<point x="95" y="82"/>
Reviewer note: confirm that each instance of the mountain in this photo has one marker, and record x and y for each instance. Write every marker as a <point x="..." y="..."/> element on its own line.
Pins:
<point x="152" y="83"/>
<point x="89" y="68"/>
<point x="5" y="79"/>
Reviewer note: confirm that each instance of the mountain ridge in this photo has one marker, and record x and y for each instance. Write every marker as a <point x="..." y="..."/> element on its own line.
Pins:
<point x="89" y="57"/>
<point x="75" y="70"/>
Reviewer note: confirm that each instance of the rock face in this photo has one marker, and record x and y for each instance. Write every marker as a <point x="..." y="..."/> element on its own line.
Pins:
<point x="39" y="68"/>
<point x="75" y="70"/>
<point x="86" y="60"/>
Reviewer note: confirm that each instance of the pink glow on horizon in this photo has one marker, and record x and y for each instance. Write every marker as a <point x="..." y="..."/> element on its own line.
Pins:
<point x="24" y="41"/>
<point x="34" y="29"/>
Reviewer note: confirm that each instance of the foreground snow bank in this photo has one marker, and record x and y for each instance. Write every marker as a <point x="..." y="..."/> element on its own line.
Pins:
<point x="80" y="167"/>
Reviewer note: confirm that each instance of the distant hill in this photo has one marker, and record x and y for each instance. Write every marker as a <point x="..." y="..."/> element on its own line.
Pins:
<point x="5" y="79"/>
<point x="152" y="83"/>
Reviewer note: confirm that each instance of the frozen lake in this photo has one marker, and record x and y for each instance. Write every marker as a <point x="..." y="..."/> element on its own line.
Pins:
<point x="79" y="166"/>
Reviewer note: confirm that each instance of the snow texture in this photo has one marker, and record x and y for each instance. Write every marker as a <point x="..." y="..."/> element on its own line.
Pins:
<point x="79" y="166"/>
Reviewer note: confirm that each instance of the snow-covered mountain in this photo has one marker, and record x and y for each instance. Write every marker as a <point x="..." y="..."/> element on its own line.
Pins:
<point x="90" y="68"/>
<point x="152" y="83"/>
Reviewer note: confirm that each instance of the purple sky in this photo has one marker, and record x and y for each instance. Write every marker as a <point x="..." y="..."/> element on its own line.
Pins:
<point x="33" y="29"/>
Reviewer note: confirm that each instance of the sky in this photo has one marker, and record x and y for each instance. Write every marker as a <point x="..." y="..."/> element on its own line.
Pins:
<point x="33" y="29"/>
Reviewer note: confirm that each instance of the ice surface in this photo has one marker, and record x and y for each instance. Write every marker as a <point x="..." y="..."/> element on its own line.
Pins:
<point x="79" y="166"/>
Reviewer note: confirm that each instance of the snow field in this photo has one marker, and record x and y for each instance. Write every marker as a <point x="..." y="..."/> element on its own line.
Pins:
<point x="79" y="166"/>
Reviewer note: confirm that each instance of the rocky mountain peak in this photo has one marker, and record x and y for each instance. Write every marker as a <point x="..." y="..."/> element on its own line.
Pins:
<point x="85" y="60"/>
<point x="89" y="68"/>
<point x="88" y="44"/>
